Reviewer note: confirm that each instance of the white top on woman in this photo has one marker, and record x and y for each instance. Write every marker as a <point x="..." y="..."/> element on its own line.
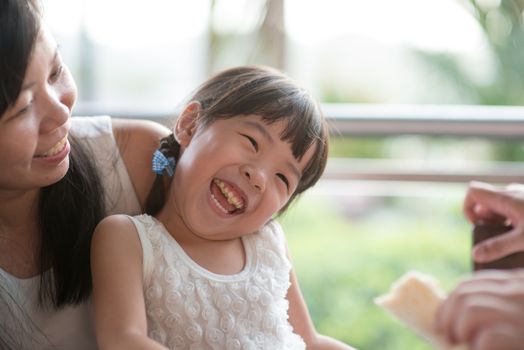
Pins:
<point x="71" y="327"/>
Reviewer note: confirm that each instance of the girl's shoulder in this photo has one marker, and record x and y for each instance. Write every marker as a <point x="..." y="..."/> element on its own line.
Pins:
<point x="272" y="230"/>
<point x="146" y="225"/>
<point x="121" y="224"/>
<point x="116" y="219"/>
<point x="271" y="236"/>
<point x="115" y="225"/>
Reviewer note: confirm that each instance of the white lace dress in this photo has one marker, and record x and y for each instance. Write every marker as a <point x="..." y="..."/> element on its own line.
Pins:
<point x="189" y="307"/>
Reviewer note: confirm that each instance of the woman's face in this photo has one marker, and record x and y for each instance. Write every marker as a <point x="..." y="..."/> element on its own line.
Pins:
<point x="34" y="151"/>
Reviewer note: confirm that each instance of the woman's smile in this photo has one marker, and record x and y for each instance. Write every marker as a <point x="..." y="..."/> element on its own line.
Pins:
<point x="59" y="146"/>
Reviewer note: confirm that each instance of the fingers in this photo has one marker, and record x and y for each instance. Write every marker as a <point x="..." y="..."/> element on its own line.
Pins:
<point x="485" y="214"/>
<point x="476" y="310"/>
<point x="486" y="202"/>
<point x="499" y="246"/>
<point x="480" y="312"/>
<point x="473" y="208"/>
<point x="501" y="337"/>
<point x="471" y="314"/>
<point x="457" y="303"/>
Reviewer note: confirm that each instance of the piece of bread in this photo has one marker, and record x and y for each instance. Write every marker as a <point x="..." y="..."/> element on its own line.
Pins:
<point x="414" y="300"/>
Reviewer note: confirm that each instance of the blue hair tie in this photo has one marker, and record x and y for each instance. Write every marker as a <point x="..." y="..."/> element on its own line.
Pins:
<point x="161" y="163"/>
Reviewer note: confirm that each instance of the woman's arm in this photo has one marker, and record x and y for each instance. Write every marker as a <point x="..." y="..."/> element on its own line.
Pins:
<point x="116" y="266"/>
<point x="137" y="140"/>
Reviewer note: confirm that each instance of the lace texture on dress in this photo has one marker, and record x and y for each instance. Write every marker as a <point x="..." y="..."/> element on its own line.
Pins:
<point x="189" y="307"/>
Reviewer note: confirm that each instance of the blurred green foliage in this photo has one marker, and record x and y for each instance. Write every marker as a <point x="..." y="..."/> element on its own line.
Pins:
<point x="508" y="150"/>
<point x="357" y="147"/>
<point x="502" y="24"/>
<point x="343" y="263"/>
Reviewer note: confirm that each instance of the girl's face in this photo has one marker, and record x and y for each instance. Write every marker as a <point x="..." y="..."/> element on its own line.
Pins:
<point x="233" y="175"/>
<point x="34" y="151"/>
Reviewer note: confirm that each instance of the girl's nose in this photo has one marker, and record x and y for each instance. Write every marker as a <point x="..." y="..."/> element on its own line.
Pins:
<point x="254" y="176"/>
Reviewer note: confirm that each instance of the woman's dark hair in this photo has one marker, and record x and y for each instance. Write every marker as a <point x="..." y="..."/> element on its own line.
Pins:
<point x="69" y="212"/>
<point x="19" y="27"/>
<point x="69" y="209"/>
<point x="271" y="95"/>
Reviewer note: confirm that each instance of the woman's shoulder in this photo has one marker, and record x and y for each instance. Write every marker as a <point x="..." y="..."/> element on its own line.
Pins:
<point x="91" y="127"/>
<point x="137" y="140"/>
<point x="131" y="132"/>
<point x="125" y="131"/>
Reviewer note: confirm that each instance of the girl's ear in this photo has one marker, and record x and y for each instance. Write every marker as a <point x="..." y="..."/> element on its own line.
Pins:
<point x="186" y="123"/>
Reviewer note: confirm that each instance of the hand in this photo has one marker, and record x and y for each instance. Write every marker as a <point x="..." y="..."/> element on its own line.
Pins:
<point x="485" y="202"/>
<point x="486" y="311"/>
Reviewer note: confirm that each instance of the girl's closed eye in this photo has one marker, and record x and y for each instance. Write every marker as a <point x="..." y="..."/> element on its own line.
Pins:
<point x="284" y="179"/>
<point x="253" y="142"/>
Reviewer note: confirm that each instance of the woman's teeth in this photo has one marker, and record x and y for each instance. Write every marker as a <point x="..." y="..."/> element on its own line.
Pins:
<point x="55" y="149"/>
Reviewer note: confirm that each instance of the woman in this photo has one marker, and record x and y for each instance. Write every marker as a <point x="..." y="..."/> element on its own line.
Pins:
<point x="58" y="177"/>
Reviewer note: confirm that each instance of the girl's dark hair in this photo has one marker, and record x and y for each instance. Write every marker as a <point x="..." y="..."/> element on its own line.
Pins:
<point x="69" y="209"/>
<point x="156" y="198"/>
<point x="263" y="91"/>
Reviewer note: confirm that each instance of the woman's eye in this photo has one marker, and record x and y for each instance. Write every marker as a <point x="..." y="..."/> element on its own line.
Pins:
<point x="22" y="110"/>
<point x="252" y="141"/>
<point x="56" y="73"/>
<point x="284" y="179"/>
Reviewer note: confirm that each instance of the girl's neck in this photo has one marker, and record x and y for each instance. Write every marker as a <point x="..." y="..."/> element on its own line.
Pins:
<point x="170" y="217"/>
<point x="225" y="257"/>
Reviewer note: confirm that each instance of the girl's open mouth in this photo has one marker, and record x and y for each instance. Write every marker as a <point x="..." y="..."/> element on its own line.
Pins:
<point x="227" y="198"/>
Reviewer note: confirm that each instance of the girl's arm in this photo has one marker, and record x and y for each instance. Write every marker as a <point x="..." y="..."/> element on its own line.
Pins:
<point x="303" y="325"/>
<point x="137" y="140"/>
<point x="116" y="266"/>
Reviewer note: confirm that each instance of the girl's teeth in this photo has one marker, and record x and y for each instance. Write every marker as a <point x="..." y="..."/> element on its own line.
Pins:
<point x="231" y="198"/>
<point x="219" y="205"/>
